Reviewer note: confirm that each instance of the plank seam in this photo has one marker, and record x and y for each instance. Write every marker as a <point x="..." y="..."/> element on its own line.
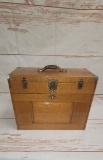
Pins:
<point x="77" y="56"/>
<point x="51" y="6"/>
<point x="7" y="118"/>
<point x="51" y="151"/>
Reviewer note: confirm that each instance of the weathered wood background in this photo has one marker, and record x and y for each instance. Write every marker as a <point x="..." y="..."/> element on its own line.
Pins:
<point x="51" y="156"/>
<point x="68" y="33"/>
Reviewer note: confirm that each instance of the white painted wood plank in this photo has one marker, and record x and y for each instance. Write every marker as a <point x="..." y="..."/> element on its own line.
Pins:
<point x="47" y="30"/>
<point x="78" y="37"/>
<point x="7" y="38"/>
<point x="35" y="61"/>
<point x="81" y="4"/>
<point x="10" y="1"/>
<point x="3" y="80"/>
<point x="50" y="156"/>
<point x="71" y="32"/>
<point x="7" y="64"/>
<point x="51" y="140"/>
<point x="6" y="109"/>
<point x="38" y="39"/>
<point x="96" y="108"/>
<point x="35" y="37"/>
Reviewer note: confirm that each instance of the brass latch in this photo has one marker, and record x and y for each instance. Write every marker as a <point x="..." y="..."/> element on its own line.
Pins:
<point x="24" y="83"/>
<point x="80" y="84"/>
<point x="52" y="85"/>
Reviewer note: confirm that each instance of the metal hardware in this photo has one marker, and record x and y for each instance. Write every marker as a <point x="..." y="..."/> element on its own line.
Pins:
<point x="80" y="84"/>
<point x="9" y="83"/>
<point x="96" y="78"/>
<point x="24" y="83"/>
<point x="52" y="85"/>
<point x="52" y="96"/>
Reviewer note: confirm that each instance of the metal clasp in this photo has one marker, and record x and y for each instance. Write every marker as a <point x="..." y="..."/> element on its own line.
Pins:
<point x="80" y="84"/>
<point x="52" y="85"/>
<point x="24" y="83"/>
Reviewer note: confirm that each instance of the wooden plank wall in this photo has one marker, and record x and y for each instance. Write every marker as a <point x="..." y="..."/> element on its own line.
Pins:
<point x="51" y="156"/>
<point x="68" y="33"/>
<point x="36" y="33"/>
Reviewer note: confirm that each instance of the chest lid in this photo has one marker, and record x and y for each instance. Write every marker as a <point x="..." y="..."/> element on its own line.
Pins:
<point x="50" y="72"/>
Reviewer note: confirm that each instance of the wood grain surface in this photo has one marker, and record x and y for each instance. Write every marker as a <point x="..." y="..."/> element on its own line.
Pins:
<point x="81" y="4"/>
<point x="51" y="112"/>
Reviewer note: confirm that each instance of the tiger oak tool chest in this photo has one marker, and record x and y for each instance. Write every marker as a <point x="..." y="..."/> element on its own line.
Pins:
<point x="51" y="97"/>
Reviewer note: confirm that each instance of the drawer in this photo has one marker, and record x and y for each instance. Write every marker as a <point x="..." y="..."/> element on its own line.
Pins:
<point x="62" y="88"/>
<point x="52" y="112"/>
<point x="57" y="97"/>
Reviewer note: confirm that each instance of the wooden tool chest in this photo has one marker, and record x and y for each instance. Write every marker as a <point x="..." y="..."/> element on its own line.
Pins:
<point x="51" y="97"/>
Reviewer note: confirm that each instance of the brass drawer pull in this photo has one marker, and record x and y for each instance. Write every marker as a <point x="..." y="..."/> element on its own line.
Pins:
<point x="52" y="96"/>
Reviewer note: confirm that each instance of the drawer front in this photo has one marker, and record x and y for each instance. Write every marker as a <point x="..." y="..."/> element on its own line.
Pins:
<point x="52" y="112"/>
<point x="56" y="97"/>
<point x="62" y="88"/>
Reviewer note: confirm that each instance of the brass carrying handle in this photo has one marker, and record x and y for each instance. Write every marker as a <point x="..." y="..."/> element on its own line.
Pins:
<point x="52" y="67"/>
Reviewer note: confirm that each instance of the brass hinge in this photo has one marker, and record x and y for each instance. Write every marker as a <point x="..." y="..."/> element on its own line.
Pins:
<point x="80" y="84"/>
<point x="24" y="83"/>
